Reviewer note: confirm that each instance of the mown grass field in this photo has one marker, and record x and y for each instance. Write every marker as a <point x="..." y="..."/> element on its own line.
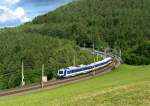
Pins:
<point x="125" y="86"/>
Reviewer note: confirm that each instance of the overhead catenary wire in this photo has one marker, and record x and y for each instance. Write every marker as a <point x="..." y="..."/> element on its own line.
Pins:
<point x="6" y="74"/>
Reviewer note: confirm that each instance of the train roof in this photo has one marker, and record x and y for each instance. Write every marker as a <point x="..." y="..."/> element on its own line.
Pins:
<point x="80" y="66"/>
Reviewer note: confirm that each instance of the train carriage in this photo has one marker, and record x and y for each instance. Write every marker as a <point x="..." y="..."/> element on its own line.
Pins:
<point x="73" y="71"/>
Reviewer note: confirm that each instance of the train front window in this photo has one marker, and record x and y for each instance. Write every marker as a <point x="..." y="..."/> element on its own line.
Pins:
<point x="60" y="72"/>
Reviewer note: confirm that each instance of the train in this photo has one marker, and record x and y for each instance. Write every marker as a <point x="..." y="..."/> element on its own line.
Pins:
<point x="81" y="69"/>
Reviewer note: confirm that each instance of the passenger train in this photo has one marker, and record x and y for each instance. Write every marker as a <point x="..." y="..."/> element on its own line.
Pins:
<point x="73" y="71"/>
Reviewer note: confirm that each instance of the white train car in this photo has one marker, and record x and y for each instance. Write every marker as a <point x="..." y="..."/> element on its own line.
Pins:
<point x="72" y="71"/>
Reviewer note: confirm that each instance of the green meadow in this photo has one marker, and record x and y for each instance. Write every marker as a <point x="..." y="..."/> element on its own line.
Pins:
<point x="125" y="86"/>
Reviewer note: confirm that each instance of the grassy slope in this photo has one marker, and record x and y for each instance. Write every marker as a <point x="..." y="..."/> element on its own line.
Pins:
<point x="128" y="85"/>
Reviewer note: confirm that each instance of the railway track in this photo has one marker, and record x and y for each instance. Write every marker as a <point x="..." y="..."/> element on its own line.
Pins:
<point x="57" y="83"/>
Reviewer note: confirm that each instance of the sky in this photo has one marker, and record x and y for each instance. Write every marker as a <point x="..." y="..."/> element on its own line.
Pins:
<point x="16" y="12"/>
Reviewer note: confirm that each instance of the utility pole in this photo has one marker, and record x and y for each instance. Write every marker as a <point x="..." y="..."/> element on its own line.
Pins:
<point x="97" y="56"/>
<point x="120" y="53"/>
<point x="74" y="56"/>
<point x="42" y="83"/>
<point x="105" y="51"/>
<point x="74" y="60"/>
<point x="94" y="59"/>
<point x="22" y="82"/>
<point x="93" y="52"/>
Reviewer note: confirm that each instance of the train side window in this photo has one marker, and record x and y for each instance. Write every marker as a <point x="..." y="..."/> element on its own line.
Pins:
<point x="60" y="72"/>
<point x="78" y="70"/>
<point x="75" y="70"/>
<point x="67" y="72"/>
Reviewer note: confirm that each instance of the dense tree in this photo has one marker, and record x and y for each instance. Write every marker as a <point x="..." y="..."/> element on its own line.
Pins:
<point x="34" y="50"/>
<point x="123" y="24"/>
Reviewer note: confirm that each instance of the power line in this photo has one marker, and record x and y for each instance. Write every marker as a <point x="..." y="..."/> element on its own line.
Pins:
<point x="8" y="74"/>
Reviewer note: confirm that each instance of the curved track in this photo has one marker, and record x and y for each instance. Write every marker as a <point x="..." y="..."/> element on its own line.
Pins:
<point x="57" y="83"/>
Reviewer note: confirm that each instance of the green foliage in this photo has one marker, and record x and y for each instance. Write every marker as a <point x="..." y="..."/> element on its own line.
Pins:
<point x="140" y="55"/>
<point x="120" y="24"/>
<point x="34" y="50"/>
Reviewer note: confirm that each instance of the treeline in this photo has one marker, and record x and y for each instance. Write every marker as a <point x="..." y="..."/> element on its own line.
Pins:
<point x="123" y="24"/>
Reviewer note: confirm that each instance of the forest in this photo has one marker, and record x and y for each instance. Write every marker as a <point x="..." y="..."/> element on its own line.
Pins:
<point x="123" y="24"/>
<point x="54" y="38"/>
<point x="34" y="50"/>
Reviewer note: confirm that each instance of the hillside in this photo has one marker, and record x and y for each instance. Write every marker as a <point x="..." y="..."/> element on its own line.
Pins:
<point x="127" y="85"/>
<point x="34" y="50"/>
<point x="120" y="24"/>
<point x="54" y="38"/>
